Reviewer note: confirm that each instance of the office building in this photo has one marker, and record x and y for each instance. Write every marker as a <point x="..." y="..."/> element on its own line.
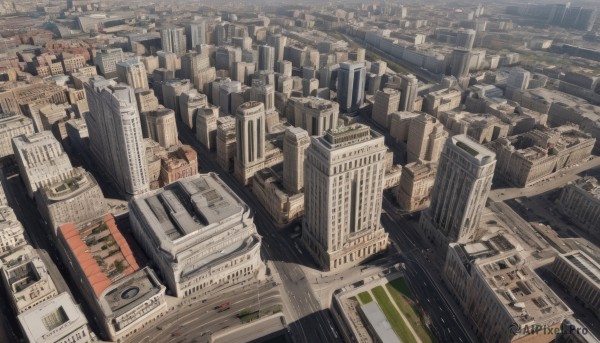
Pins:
<point x="168" y="61"/>
<point x="190" y="103"/>
<point x="386" y="102"/>
<point x="11" y="126"/>
<point x="343" y="189"/>
<point x="122" y="297"/>
<point x="199" y="249"/>
<point x="107" y="59"/>
<point x="409" y="87"/>
<point x="225" y="56"/>
<point x="315" y="115"/>
<point x="226" y="142"/>
<point x="41" y="160"/>
<point x="580" y="201"/>
<point x="195" y="33"/>
<point x="206" y="126"/>
<point x="192" y="63"/>
<point x="278" y="42"/>
<point x="12" y="233"/>
<point x="580" y="275"/>
<point x="146" y="100"/>
<point x="161" y="126"/>
<point x="172" y="91"/>
<point x="426" y="139"/>
<point x="295" y="142"/>
<point x="266" y="58"/>
<point x="497" y="288"/>
<point x="77" y="199"/>
<point x="351" y="86"/>
<point x="465" y="38"/>
<point x="462" y="185"/>
<point x="461" y="59"/>
<point x="26" y="279"/>
<point x="283" y="206"/>
<point x="250" y="140"/>
<point x="116" y="140"/>
<point x="133" y="73"/>
<point x="416" y="184"/>
<point x="57" y="320"/>
<point x="50" y="114"/>
<point x="173" y="40"/>
<point x="225" y="92"/>
<point x="73" y="63"/>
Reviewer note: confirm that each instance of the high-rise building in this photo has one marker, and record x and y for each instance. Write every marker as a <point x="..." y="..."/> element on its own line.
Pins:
<point x="465" y="38"/>
<point x="12" y="125"/>
<point x="351" y="86"/>
<point x="161" y="126"/>
<point x="264" y="93"/>
<point x="295" y="142"/>
<point x="426" y="139"/>
<point x="226" y="142"/>
<point x="278" y="42"/>
<point x="343" y="189"/>
<point x="107" y="59"/>
<point x="173" y="40"/>
<point x="171" y="92"/>
<point x="195" y="33"/>
<point x="225" y="91"/>
<point x="199" y="249"/>
<point x="168" y="61"/>
<point x="315" y="115"/>
<point x="266" y="58"/>
<point x="41" y="160"/>
<point x="206" y="126"/>
<point x="241" y="71"/>
<point x="146" y="100"/>
<point x="133" y="73"/>
<point x="225" y="56"/>
<point x="386" y="102"/>
<point x="461" y="60"/>
<point x="203" y="79"/>
<point x="462" y="185"/>
<point x="416" y="184"/>
<point x="115" y="131"/>
<point x="250" y="139"/>
<point x="192" y="63"/>
<point x="190" y="101"/>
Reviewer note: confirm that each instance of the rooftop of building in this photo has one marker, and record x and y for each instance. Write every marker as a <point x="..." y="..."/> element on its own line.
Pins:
<point x="347" y="135"/>
<point x="64" y="189"/>
<point x="584" y="264"/>
<point x="101" y="251"/>
<point x="23" y="268"/>
<point x="420" y="168"/>
<point x="189" y="205"/>
<point x="8" y="218"/>
<point x="379" y="323"/>
<point x="36" y="139"/>
<point x="12" y="120"/>
<point x="474" y="149"/>
<point x="523" y="294"/>
<point x="52" y="320"/>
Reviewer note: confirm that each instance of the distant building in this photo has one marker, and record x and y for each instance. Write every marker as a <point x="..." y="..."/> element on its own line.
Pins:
<point x="12" y="233"/>
<point x="315" y="115"/>
<point x="580" y="201"/>
<point x="226" y="142"/>
<point x="41" y="160"/>
<point x="133" y="72"/>
<point x="351" y="86"/>
<point x="462" y="185"/>
<point x="55" y="321"/>
<point x="416" y="184"/>
<point x="343" y="186"/>
<point x="12" y="125"/>
<point x="442" y="100"/>
<point x="106" y="61"/>
<point x="122" y="296"/>
<point x="206" y="126"/>
<point x="386" y="102"/>
<point x="173" y="39"/>
<point x="26" y="279"/>
<point x="266" y="58"/>
<point x="203" y="248"/>
<point x="190" y="103"/>
<point x="580" y="274"/>
<point x="426" y="138"/>
<point x="161" y="126"/>
<point x="496" y="287"/>
<point x="77" y="199"/>
<point x="530" y="157"/>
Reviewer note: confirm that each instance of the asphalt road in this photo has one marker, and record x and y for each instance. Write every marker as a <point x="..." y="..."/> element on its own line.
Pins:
<point x="308" y="322"/>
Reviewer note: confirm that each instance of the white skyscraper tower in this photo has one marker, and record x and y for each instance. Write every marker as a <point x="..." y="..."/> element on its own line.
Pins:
<point x="133" y="73"/>
<point x="115" y="134"/>
<point x="250" y="139"/>
<point x="462" y="185"/>
<point x="343" y="190"/>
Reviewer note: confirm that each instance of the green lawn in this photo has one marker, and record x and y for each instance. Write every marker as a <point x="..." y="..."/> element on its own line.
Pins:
<point x="401" y="294"/>
<point x="364" y="298"/>
<point x="392" y="315"/>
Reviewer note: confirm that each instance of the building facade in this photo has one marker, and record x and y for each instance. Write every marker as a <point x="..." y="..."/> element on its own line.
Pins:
<point x="11" y="126"/>
<point x="580" y="200"/>
<point x="343" y="188"/>
<point x="386" y="102"/>
<point x="133" y="72"/>
<point x="250" y="140"/>
<point x="206" y="126"/>
<point x="116" y="140"/>
<point x="161" y="126"/>
<point x="295" y="143"/>
<point x="416" y="184"/>
<point x="12" y="233"/>
<point x="351" y="86"/>
<point x="462" y="185"/>
<point x="315" y="115"/>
